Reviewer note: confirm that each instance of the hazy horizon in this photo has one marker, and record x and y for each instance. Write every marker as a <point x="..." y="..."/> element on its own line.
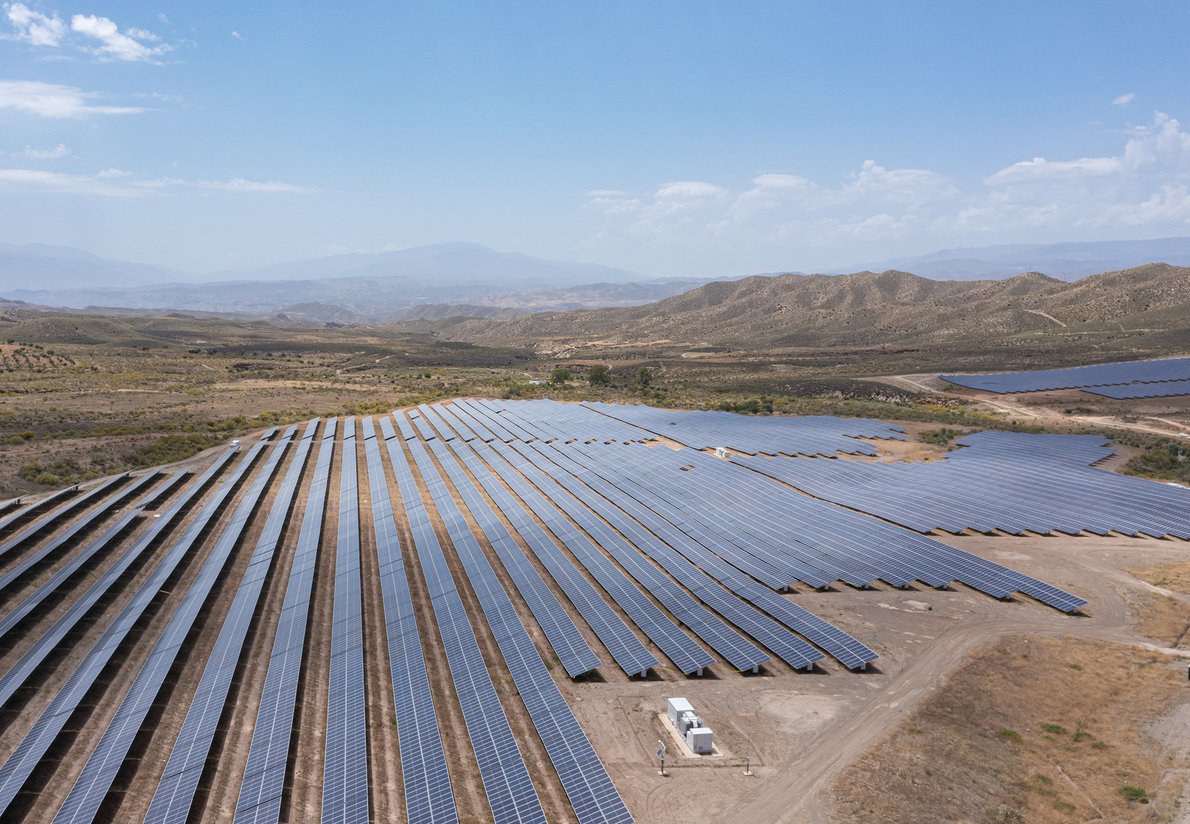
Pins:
<point x="690" y="141"/>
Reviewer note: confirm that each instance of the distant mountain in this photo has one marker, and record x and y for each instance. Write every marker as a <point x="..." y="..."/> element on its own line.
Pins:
<point x="37" y="267"/>
<point x="1068" y="261"/>
<point x="867" y="309"/>
<point x="372" y="286"/>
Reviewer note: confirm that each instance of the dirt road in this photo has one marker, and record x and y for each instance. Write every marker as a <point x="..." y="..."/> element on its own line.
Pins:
<point x="795" y="794"/>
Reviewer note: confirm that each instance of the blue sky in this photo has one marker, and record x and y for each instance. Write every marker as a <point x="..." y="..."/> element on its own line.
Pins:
<point x="689" y="138"/>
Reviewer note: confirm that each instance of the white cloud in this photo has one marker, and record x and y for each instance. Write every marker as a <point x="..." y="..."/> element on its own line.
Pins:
<point x="55" y="153"/>
<point x="119" y="183"/>
<point x="35" y="27"/>
<point x="54" y="100"/>
<point x="117" y="45"/>
<point x="1124" y="99"/>
<point x="1142" y="189"/>
<point x="237" y="35"/>
<point x="1040" y="170"/>
<point x="239" y="184"/>
<point x="32" y="180"/>
<point x="689" y="190"/>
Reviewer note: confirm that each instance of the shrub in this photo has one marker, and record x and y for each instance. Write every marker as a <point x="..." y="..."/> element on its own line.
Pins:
<point x="1136" y="794"/>
<point x="599" y="375"/>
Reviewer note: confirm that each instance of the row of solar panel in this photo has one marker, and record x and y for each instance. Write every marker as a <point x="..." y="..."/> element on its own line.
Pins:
<point x="983" y="486"/>
<point x="1131" y="391"/>
<point x="23" y="761"/>
<point x="1104" y="374"/>
<point x="582" y="775"/>
<point x="705" y="429"/>
<point x="844" y="552"/>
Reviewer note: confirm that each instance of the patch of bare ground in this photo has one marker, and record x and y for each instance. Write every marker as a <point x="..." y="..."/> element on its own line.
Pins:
<point x="1174" y="576"/>
<point x="1029" y="729"/>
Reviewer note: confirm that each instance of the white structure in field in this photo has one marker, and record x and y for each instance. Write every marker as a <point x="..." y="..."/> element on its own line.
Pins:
<point x="674" y="708"/>
<point x="689" y="726"/>
<point x="700" y="740"/>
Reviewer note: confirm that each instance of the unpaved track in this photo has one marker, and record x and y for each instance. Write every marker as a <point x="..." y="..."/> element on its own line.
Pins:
<point x="795" y="793"/>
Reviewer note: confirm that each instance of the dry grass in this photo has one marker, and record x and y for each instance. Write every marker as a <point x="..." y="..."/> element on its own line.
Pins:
<point x="1033" y="730"/>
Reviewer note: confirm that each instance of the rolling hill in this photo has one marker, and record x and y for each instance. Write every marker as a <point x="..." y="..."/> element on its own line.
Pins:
<point x="865" y="309"/>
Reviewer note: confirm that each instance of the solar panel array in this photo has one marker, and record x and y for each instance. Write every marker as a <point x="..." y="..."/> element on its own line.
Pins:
<point x="536" y="529"/>
<point x="510" y="793"/>
<point x="263" y="784"/>
<point x="429" y="797"/>
<point x="775" y="530"/>
<point x="1130" y="391"/>
<point x="179" y="782"/>
<point x="705" y="429"/>
<point x="1079" y="377"/>
<point x="20" y="765"/>
<point x="584" y="779"/>
<point x="628" y="651"/>
<point x="572" y="650"/>
<point x="1008" y="481"/>
<point x="345" y="770"/>
<point x="99" y="772"/>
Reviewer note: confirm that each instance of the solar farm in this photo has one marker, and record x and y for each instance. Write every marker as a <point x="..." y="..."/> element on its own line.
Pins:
<point x="1123" y="381"/>
<point x="473" y="610"/>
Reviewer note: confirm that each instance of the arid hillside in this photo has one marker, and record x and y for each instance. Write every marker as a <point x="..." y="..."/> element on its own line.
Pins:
<point x="1149" y="305"/>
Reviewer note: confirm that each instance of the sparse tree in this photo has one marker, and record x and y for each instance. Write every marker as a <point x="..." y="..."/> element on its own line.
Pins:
<point x="599" y="375"/>
<point x="644" y="379"/>
<point x="560" y="376"/>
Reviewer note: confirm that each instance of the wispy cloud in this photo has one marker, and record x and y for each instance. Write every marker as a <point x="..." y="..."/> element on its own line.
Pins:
<point x="1124" y="99"/>
<point x="35" y="27"/>
<point x="129" y="46"/>
<point x="235" y="34"/>
<point x="1146" y="184"/>
<point x="55" y="153"/>
<point x="54" y="100"/>
<point x="119" y="183"/>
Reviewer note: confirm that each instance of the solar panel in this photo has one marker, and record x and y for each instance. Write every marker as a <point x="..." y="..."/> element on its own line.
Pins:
<point x="14" y="519"/>
<point x="53" y="519"/>
<point x="99" y="772"/>
<point x="568" y="644"/>
<point x="17" y="675"/>
<point x="175" y="791"/>
<point x="630" y="654"/>
<point x="510" y="793"/>
<point x="28" y="754"/>
<point x="345" y="770"/>
<point x="265" y="769"/>
<point x="1104" y="374"/>
<point x="636" y="501"/>
<point x="1128" y="391"/>
<point x="429" y="798"/>
<point x="73" y="532"/>
<point x="592" y="795"/>
<point x="538" y="493"/>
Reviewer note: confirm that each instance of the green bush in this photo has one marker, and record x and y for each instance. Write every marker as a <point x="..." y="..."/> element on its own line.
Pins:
<point x="1137" y="794"/>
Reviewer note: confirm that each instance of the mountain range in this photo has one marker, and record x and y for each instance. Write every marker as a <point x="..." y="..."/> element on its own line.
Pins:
<point x="1148" y="304"/>
<point x="1067" y="261"/>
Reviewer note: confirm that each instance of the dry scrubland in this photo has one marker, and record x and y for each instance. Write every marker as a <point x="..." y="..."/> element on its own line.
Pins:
<point x="83" y="396"/>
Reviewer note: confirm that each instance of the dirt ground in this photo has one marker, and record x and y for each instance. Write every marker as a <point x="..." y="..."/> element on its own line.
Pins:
<point x="802" y="732"/>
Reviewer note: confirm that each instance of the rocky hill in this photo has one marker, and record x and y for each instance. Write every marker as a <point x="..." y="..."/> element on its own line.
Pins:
<point x="865" y="309"/>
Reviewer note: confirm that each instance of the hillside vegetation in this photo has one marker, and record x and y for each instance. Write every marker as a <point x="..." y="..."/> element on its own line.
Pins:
<point x="1144" y="309"/>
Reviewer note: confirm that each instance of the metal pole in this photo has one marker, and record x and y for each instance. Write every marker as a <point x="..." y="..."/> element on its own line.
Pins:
<point x="747" y="765"/>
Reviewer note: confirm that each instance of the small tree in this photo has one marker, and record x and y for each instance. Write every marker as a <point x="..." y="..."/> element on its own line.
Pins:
<point x="599" y="375"/>
<point x="644" y="379"/>
<point x="560" y="376"/>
